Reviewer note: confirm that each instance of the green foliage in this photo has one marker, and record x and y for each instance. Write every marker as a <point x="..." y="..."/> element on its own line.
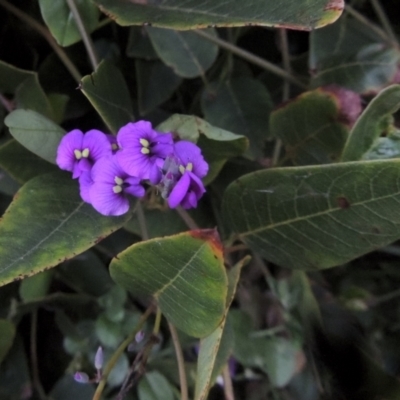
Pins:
<point x="282" y="275"/>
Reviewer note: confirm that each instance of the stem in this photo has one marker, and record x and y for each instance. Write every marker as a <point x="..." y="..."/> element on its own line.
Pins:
<point x="157" y="322"/>
<point x="383" y="19"/>
<point x="228" y="387"/>
<point x="113" y="360"/>
<point x="7" y="104"/>
<point x="62" y="55"/>
<point x="34" y="360"/>
<point x="252" y="58"/>
<point x="142" y="221"/>
<point x="187" y="219"/>
<point x="381" y="33"/>
<point x="383" y="299"/>
<point x="87" y="40"/>
<point x="286" y="87"/>
<point x="181" y="362"/>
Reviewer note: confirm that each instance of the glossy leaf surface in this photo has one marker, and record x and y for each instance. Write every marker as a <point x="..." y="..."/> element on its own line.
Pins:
<point x="316" y="217"/>
<point x="186" y="275"/>
<point x="46" y="224"/>
<point x="181" y="14"/>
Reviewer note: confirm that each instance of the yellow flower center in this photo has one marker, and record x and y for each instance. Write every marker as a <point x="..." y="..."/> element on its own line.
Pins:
<point x="78" y="154"/>
<point x="85" y="153"/>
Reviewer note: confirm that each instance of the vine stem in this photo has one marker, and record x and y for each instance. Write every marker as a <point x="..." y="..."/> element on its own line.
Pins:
<point x="252" y="58"/>
<point x="34" y="359"/>
<point x="142" y="221"/>
<point x="380" y="32"/>
<point x="181" y="362"/>
<point x="62" y="55"/>
<point x="187" y="219"/>
<point x="228" y="387"/>
<point x="286" y="87"/>
<point x="383" y="19"/>
<point x="113" y="360"/>
<point x="87" y="40"/>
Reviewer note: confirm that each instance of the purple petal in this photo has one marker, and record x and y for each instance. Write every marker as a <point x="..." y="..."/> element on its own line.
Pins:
<point x="190" y="153"/>
<point x="106" y="169"/>
<point x="130" y="134"/>
<point x="85" y="183"/>
<point x="106" y="202"/>
<point x="65" y="152"/>
<point x="179" y="191"/>
<point x="97" y="143"/>
<point x="84" y="165"/>
<point x="135" y="190"/>
<point x="189" y="201"/>
<point x="162" y="145"/>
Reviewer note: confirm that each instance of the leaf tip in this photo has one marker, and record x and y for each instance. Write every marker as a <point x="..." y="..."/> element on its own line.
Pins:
<point x="212" y="237"/>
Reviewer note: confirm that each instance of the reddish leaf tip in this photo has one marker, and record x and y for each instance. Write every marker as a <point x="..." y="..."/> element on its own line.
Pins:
<point x="211" y="236"/>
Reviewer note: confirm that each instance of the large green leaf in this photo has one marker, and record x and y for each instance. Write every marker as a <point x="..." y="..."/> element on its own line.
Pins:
<point x="22" y="164"/>
<point x="61" y="22"/>
<point x="217" y="145"/>
<point x="374" y="121"/>
<point x="188" y="54"/>
<point x="215" y="349"/>
<point x="350" y="54"/>
<point x="311" y="127"/>
<point x="11" y="77"/>
<point x="319" y="216"/>
<point x="156" y="84"/>
<point x="35" y="132"/>
<point x="46" y="224"/>
<point x="139" y="44"/>
<point x="241" y="105"/>
<point x="184" y="272"/>
<point x="154" y="386"/>
<point x="190" y="14"/>
<point x="106" y="89"/>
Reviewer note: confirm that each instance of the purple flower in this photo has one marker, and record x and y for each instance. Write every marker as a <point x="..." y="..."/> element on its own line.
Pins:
<point x="113" y="141"/>
<point x="143" y="150"/>
<point x="181" y="176"/>
<point x="111" y="187"/>
<point x="81" y="377"/>
<point x="78" y="152"/>
<point x="85" y="183"/>
<point x="187" y="191"/>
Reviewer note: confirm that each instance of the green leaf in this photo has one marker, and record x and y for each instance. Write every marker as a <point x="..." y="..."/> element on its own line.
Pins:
<point x="372" y="123"/>
<point x="217" y="145"/>
<point x="46" y="224"/>
<point x="30" y="95"/>
<point x="35" y="287"/>
<point x="216" y="348"/>
<point x="384" y="148"/>
<point x="311" y="127"/>
<point x="106" y="89"/>
<point x="183" y="14"/>
<point x="349" y="54"/>
<point x="188" y="54"/>
<point x="67" y="389"/>
<point x="277" y="356"/>
<point x="316" y="217"/>
<point x="241" y="105"/>
<point x="61" y="22"/>
<point x="184" y="272"/>
<point x="11" y="77"/>
<point x="139" y="44"/>
<point x="22" y="164"/>
<point x="35" y="132"/>
<point x="154" y="386"/>
<point x="156" y="84"/>
<point x="7" y="333"/>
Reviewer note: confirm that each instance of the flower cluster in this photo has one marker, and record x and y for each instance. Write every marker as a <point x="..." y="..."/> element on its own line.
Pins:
<point x="112" y="168"/>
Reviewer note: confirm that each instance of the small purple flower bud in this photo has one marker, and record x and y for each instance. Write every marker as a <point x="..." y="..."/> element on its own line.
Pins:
<point x="81" y="377"/>
<point x="99" y="358"/>
<point x="139" y="336"/>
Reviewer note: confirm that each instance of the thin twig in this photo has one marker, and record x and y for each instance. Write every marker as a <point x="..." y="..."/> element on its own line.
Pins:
<point x="187" y="219"/>
<point x="62" y="55"/>
<point x="383" y="19"/>
<point x="142" y="221"/>
<point x="286" y="87"/>
<point x="87" y="40"/>
<point x="228" y="387"/>
<point x="34" y="360"/>
<point x="121" y="348"/>
<point x="377" y="301"/>
<point x="181" y="362"/>
<point x="380" y="32"/>
<point x="252" y="58"/>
